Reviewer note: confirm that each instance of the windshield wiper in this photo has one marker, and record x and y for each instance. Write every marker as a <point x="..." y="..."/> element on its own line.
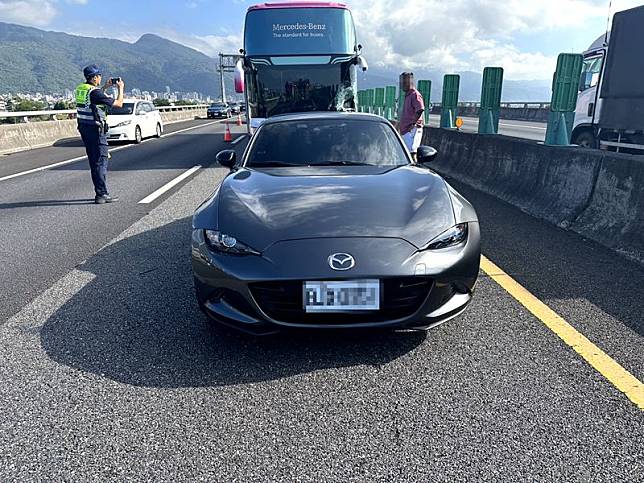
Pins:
<point x="342" y="163"/>
<point x="274" y="164"/>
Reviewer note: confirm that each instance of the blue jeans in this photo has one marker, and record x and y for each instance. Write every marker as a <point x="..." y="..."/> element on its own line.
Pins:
<point x="97" y="153"/>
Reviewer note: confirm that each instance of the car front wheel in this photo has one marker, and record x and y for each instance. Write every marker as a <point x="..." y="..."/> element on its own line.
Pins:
<point x="137" y="135"/>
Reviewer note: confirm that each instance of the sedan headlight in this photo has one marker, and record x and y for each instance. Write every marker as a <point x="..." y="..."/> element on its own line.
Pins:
<point x="450" y="237"/>
<point x="222" y="242"/>
<point x="124" y="123"/>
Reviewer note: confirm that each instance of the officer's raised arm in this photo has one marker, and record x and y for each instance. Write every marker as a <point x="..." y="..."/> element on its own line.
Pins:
<point x="118" y="102"/>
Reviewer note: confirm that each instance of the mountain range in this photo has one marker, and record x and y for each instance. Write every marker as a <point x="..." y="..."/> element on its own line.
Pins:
<point x="34" y="60"/>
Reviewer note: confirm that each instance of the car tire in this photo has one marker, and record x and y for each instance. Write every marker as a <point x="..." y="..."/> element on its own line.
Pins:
<point x="585" y="139"/>
<point x="159" y="130"/>
<point x="138" y="137"/>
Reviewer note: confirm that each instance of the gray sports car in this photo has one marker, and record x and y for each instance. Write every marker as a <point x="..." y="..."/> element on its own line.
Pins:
<point x="326" y="222"/>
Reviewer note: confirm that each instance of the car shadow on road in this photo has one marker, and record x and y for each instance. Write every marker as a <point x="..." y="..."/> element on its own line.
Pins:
<point x="75" y="142"/>
<point x="137" y="322"/>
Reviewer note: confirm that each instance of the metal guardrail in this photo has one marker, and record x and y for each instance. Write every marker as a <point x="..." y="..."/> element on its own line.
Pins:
<point x="512" y="105"/>
<point x="68" y="112"/>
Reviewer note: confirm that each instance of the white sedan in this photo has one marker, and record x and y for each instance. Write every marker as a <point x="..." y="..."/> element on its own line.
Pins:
<point x="134" y="121"/>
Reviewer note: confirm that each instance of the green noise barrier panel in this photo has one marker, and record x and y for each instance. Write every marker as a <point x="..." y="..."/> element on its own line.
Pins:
<point x="425" y="89"/>
<point x="449" y="102"/>
<point x="379" y="100"/>
<point x="565" y="87"/>
<point x="390" y="102"/>
<point x="370" y="100"/>
<point x="490" y="100"/>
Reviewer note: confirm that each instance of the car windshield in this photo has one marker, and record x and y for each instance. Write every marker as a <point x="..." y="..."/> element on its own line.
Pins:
<point x="128" y="108"/>
<point x="218" y="105"/>
<point x="326" y="142"/>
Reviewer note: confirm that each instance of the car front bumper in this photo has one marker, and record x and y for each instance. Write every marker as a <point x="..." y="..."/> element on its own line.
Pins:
<point x="263" y="294"/>
<point x="123" y="133"/>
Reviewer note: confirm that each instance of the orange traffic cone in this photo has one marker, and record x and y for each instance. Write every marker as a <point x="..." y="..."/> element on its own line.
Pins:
<point x="239" y="121"/>
<point x="227" y="135"/>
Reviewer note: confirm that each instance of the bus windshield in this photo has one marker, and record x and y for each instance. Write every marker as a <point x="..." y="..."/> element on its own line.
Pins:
<point x="284" y="89"/>
<point x="297" y="31"/>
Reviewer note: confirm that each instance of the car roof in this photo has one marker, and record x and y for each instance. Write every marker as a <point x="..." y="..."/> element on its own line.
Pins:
<point x="320" y="115"/>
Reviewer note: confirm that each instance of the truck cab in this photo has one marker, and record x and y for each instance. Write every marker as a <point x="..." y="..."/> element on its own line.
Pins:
<point x="610" y="106"/>
<point x="588" y="106"/>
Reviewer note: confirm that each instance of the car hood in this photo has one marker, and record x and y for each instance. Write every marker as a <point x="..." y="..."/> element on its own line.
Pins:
<point x="264" y="207"/>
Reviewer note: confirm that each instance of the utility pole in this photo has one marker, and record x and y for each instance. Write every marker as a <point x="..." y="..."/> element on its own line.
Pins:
<point x="226" y="64"/>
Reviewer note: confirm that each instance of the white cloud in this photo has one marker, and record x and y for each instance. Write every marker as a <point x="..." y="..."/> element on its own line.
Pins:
<point x="28" y="12"/>
<point x="211" y="44"/>
<point x="453" y="35"/>
<point x="469" y="34"/>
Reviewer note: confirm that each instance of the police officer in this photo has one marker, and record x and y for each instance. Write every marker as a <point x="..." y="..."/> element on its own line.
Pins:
<point x="91" y="111"/>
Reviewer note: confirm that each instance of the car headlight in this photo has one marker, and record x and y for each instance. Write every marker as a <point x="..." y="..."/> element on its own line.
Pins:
<point x="124" y="123"/>
<point x="450" y="237"/>
<point x="222" y="242"/>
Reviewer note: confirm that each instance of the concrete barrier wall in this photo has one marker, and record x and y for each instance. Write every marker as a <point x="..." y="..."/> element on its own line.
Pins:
<point x="19" y="137"/>
<point x="172" y="116"/>
<point x="595" y="193"/>
<point x="24" y="136"/>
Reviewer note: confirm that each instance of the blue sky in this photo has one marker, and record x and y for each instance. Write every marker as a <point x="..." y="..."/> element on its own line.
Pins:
<point x="523" y="36"/>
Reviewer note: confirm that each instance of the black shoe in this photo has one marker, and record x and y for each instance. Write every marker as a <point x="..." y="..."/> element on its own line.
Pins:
<point x="99" y="200"/>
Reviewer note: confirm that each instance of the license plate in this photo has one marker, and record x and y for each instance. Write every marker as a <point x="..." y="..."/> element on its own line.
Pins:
<point x="342" y="296"/>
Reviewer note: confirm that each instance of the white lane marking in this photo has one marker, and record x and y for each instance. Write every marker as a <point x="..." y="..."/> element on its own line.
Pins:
<point x="73" y="160"/>
<point x="153" y="196"/>
<point x="239" y="139"/>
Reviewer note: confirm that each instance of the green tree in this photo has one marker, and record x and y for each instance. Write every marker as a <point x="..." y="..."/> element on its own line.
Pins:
<point x="161" y="102"/>
<point x="28" y="105"/>
<point x="185" y="103"/>
<point x="62" y="105"/>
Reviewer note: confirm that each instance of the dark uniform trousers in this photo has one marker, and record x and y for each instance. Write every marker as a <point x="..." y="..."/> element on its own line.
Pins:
<point x="95" y="141"/>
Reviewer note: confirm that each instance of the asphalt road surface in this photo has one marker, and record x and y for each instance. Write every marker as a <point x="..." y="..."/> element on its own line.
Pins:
<point x="519" y="129"/>
<point x="109" y="372"/>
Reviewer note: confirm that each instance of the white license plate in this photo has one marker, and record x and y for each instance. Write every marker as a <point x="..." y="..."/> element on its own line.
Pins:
<point x="341" y="296"/>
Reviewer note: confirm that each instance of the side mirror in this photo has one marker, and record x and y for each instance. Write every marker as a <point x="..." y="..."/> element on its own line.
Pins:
<point x="239" y="77"/>
<point x="362" y="63"/>
<point x="227" y="158"/>
<point x="425" y="154"/>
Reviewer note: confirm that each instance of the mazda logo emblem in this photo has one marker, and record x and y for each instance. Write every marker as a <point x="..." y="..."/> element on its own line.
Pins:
<point x="341" y="261"/>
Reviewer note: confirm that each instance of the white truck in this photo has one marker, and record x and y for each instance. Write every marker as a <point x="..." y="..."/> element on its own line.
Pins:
<point x="610" y="106"/>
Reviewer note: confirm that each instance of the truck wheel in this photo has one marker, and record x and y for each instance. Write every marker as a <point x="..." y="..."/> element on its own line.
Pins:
<point x="585" y="139"/>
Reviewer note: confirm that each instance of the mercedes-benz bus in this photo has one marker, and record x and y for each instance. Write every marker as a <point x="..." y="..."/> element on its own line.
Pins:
<point x="297" y="57"/>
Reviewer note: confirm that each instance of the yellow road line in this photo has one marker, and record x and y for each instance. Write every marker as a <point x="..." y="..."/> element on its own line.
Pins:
<point x="602" y="362"/>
